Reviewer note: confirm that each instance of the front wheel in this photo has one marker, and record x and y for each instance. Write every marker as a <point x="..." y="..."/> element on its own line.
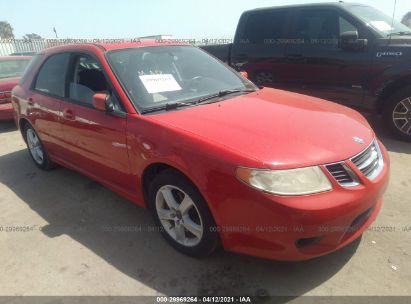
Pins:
<point x="182" y="214"/>
<point x="397" y="114"/>
<point x="36" y="148"/>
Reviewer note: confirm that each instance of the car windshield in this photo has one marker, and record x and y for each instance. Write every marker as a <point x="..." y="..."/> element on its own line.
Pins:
<point x="12" y="68"/>
<point x="379" y="21"/>
<point x="162" y="75"/>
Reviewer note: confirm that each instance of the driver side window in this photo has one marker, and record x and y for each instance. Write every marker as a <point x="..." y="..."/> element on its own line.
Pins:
<point x="322" y="27"/>
<point x="87" y="79"/>
<point x="346" y="26"/>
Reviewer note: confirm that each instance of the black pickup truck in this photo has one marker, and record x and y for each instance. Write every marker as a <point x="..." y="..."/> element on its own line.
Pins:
<point x="352" y="54"/>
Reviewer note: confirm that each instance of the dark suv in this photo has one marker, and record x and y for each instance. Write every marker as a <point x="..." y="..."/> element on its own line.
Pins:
<point x="348" y="53"/>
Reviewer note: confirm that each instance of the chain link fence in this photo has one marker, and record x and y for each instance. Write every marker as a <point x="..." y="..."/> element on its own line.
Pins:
<point x="25" y="46"/>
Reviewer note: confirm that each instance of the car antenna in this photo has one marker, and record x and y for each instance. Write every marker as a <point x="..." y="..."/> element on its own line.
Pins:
<point x="392" y="20"/>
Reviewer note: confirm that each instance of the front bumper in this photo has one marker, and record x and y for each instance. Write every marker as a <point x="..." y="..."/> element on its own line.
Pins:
<point x="6" y="111"/>
<point x="303" y="227"/>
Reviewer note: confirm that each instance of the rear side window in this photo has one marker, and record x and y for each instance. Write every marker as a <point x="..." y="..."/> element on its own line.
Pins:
<point x="52" y="75"/>
<point x="264" y="26"/>
<point x="33" y="62"/>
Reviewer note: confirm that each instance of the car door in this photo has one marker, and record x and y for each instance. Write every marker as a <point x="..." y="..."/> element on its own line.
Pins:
<point x="96" y="140"/>
<point x="44" y="101"/>
<point x="318" y="66"/>
<point x="259" y="46"/>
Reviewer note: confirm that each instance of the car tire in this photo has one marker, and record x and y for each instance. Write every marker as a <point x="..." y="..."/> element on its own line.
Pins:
<point x="181" y="214"/>
<point x="36" y="149"/>
<point x="397" y="114"/>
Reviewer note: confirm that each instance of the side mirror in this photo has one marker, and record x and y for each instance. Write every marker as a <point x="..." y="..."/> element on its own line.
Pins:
<point x="349" y="41"/>
<point x="244" y="74"/>
<point x="101" y="102"/>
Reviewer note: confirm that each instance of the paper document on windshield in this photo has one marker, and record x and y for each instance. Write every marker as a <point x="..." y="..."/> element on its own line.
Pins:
<point x="160" y="83"/>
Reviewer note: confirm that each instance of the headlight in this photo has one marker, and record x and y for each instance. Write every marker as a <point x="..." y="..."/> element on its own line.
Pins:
<point x="286" y="182"/>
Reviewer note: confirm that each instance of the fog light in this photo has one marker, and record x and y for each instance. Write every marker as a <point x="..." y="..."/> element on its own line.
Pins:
<point x="307" y="242"/>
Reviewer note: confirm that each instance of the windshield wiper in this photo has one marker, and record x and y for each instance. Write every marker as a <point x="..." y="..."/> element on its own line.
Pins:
<point x="402" y="33"/>
<point x="222" y="94"/>
<point x="175" y="105"/>
<point x="167" y="107"/>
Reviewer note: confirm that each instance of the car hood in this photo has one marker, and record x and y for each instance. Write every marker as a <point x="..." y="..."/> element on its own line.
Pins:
<point x="278" y="128"/>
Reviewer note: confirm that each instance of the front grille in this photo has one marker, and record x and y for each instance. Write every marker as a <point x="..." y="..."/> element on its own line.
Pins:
<point x="342" y="174"/>
<point x="370" y="161"/>
<point x="5" y="97"/>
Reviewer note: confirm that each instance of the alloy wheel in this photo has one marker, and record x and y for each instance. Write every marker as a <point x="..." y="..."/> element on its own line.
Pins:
<point x="179" y="216"/>
<point x="35" y="147"/>
<point x="402" y="116"/>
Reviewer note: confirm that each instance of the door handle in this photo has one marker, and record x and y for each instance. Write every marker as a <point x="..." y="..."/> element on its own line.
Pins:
<point x="30" y="101"/>
<point x="295" y="56"/>
<point x="68" y="114"/>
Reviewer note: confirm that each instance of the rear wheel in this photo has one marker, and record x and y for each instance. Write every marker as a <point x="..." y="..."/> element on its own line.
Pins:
<point x="36" y="148"/>
<point x="182" y="214"/>
<point x="397" y="114"/>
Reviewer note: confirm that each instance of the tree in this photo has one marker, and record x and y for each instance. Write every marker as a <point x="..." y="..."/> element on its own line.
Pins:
<point x="6" y="31"/>
<point x="407" y="19"/>
<point x="32" y="36"/>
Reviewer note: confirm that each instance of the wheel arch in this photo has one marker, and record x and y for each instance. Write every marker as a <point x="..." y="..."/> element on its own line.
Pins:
<point x="23" y="122"/>
<point x="155" y="168"/>
<point x="390" y="89"/>
<point x="148" y="175"/>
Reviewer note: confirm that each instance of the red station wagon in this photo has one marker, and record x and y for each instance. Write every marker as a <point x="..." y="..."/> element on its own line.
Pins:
<point x="11" y="68"/>
<point x="217" y="160"/>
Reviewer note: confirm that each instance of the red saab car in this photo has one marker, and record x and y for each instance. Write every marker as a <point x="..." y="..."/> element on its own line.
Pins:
<point x="11" y="68"/>
<point x="263" y="172"/>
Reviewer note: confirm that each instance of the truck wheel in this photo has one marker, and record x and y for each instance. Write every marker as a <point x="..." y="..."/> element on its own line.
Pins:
<point x="182" y="214"/>
<point x="36" y="149"/>
<point x="397" y="114"/>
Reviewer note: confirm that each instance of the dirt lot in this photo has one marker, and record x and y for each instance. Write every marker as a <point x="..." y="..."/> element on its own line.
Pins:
<point x="73" y="246"/>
